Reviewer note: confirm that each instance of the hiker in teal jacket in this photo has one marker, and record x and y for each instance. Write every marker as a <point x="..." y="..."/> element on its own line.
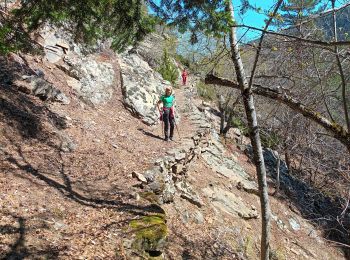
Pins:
<point x="167" y="112"/>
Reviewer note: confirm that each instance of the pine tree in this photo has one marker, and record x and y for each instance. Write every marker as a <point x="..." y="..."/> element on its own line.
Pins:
<point x="167" y="68"/>
<point x="122" y="21"/>
<point x="294" y="12"/>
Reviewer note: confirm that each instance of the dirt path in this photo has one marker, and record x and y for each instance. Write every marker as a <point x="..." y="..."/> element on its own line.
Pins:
<point x="72" y="205"/>
<point x="67" y="190"/>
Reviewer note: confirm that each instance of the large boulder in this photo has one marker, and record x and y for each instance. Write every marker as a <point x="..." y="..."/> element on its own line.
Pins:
<point x="56" y="42"/>
<point x="41" y="88"/>
<point x="92" y="79"/>
<point x="141" y="87"/>
<point x="148" y="238"/>
<point x="151" y="49"/>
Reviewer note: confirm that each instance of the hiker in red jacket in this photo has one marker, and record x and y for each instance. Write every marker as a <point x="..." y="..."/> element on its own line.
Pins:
<point x="167" y="112"/>
<point x="184" y="76"/>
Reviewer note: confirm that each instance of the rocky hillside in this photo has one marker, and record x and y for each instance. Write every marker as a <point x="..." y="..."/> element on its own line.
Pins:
<point x="325" y="22"/>
<point x="85" y="173"/>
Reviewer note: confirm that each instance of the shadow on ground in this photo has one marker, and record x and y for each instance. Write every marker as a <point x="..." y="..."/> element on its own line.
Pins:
<point x="19" y="110"/>
<point x="18" y="250"/>
<point x="314" y="205"/>
<point x="150" y="134"/>
<point x="29" y="120"/>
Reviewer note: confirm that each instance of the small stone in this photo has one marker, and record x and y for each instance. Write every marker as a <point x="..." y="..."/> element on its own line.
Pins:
<point x="185" y="217"/>
<point x="206" y="104"/>
<point x="63" y="44"/>
<point x="158" y="161"/>
<point x="280" y="224"/>
<point x="137" y="197"/>
<point x="205" y="125"/>
<point x="68" y="146"/>
<point x="139" y="176"/>
<point x="59" y="225"/>
<point x="198" y="217"/>
<point x="180" y="156"/>
<point x="156" y="187"/>
<point x="195" y="137"/>
<point x="294" y="224"/>
<point x="248" y="227"/>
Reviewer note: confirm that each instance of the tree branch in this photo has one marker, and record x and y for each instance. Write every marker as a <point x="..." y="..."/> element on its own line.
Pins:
<point x="341" y="69"/>
<point x="313" y="17"/>
<point x="315" y="42"/>
<point x="5" y="13"/>
<point x="338" y="131"/>
<point x="260" y="43"/>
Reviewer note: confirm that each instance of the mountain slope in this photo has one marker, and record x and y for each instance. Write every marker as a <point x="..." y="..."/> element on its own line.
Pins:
<point x="68" y="190"/>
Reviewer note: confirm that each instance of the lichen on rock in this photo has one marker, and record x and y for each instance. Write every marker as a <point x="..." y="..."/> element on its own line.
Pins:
<point x="150" y="233"/>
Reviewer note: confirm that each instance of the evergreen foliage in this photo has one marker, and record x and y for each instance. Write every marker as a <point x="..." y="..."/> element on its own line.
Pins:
<point x="125" y="22"/>
<point x="183" y="60"/>
<point x="167" y="69"/>
<point x="293" y="12"/>
<point x="194" y="16"/>
<point x="237" y="122"/>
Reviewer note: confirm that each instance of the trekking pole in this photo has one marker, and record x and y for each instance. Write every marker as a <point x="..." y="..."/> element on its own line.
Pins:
<point x="177" y="129"/>
<point x="161" y="119"/>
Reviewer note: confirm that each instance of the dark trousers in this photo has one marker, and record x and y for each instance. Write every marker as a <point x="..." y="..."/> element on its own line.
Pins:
<point x="168" y="120"/>
<point x="184" y="79"/>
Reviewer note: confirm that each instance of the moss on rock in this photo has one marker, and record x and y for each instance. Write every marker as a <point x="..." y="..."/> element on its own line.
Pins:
<point x="149" y="196"/>
<point x="150" y="234"/>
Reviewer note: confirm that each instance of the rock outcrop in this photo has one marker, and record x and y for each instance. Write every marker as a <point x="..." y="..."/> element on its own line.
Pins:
<point x="169" y="177"/>
<point x="151" y="49"/>
<point x="93" y="77"/>
<point x="94" y="80"/>
<point x="141" y="87"/>
<point x="38" y="86"/>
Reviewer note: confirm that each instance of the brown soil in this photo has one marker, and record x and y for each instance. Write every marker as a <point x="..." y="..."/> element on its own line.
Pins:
<point x="76" y="205"/>
<point x="71" y="205"/>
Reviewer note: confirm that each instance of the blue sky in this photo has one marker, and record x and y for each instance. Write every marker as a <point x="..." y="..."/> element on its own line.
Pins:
<point x="253" y="18"/>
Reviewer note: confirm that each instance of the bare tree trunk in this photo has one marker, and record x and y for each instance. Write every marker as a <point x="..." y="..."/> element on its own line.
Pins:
<point x="254" y="137"/>
<point x="229" y="122"/>
<point x="277" y="174"/>
<point x="341" y="70"/>
<point x="286" y="154"/>
<point x="222" y="113"/>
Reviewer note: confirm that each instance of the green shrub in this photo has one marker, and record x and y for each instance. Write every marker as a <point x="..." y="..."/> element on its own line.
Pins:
<point x="269" y="139"/>
<point x="167" y="69"/>
<point x="183" y="60"/>
<point x="278" y="254"/>
<point x="237" y="122"/>
<point x="207" y="92"/>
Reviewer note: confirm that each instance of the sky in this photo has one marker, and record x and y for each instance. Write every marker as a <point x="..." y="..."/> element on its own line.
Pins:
<point x="254" y="19"/>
